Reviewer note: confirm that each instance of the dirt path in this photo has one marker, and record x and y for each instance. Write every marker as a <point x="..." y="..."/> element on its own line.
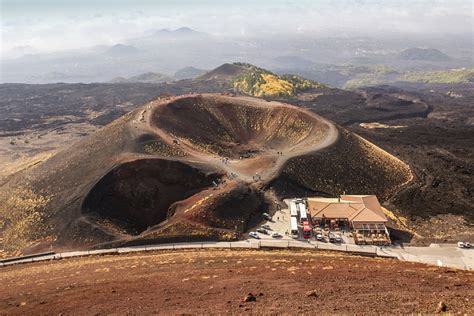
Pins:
<point x="266" y="165"/>
<point x="217" y="281"/>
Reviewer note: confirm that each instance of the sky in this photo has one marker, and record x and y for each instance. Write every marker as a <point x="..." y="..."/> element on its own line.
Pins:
<point x="38" y="26"/>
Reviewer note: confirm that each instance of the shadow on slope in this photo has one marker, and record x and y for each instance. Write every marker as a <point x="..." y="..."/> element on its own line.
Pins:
<point x="140" y="194"/>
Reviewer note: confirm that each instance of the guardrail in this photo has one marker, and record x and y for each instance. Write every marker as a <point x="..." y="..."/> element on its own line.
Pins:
<point x="27" y="257"/>
<point x="269" y="244"/>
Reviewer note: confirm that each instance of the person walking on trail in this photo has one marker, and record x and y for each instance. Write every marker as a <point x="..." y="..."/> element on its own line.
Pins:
<point x="278" y="218"/>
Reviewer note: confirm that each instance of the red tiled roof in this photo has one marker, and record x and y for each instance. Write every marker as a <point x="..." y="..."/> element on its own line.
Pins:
<point x="356" y="208"/>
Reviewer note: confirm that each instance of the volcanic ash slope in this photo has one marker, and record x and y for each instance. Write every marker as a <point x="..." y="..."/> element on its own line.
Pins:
<point x="193" y="167"/>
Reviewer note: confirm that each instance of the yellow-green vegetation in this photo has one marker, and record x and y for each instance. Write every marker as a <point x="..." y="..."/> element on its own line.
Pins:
<point x="362" y="82"/>
<point x="371" y="75"/>
<point x="159" y="148"/>
<point x="259" y="82"/>
<point x="376" y="69"/>
<point x="195" y="230"/>
<point x="23" y="218"/>
<point x="443" y="76"/>
<point x="401" y="221"/>
<point x="365" y="75"/>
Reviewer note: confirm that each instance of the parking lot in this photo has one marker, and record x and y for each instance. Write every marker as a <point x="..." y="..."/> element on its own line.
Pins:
<point x="280" y="223"/>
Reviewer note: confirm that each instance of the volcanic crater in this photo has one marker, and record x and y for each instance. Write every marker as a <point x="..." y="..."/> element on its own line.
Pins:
<point x="229" y="128"/>
<point x="189" y="167"/>
<point x="139" y="194"/>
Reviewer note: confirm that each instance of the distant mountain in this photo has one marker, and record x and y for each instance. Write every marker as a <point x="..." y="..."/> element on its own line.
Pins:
<point x="121" y="50"/>
<point x="119" y="80"/>
<point x="181" y="32"/>
<point x="425" y="54"/>
<point x="152" y="77"/>
<point x="149" y="77"/>
<point x="224" y="72"/>
<point x="188" y="73"/>
<point x="185" y="30"/>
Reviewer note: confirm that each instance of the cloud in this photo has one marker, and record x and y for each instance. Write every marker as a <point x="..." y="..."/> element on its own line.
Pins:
<point x="58" y="25"/>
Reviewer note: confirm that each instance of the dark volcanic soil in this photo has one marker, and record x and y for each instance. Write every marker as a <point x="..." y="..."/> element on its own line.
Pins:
<point x="436" y="130"/>
<point x="430" y="130"/>
<point x="216" y="282"/>
<point x="439" y="150"/>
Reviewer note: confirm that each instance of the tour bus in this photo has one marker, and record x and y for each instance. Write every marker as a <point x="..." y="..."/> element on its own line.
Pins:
<point x="303" y="216"/>
<point x="306" y="230"/>
<point x="294" y="227"/>
<point x="293" y="210"/>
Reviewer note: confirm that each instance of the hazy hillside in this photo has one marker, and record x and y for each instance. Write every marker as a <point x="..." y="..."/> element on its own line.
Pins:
<point x="425" y="54"/>
<point x="188" y="73"/>
<point x="149" y="77"/>
<point x="121" y="50"/>
<point x="452" y="76"/>
<point x="446" y="76"/>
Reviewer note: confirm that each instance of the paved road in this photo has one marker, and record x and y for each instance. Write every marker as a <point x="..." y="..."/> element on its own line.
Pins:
<point x="441" y="255"/>
<point x="445" y="255"/>
<point x="448" y="256"/>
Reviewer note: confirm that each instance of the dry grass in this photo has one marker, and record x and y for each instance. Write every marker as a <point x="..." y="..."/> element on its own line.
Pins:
<point x="23" y="216"/>
<point x="380" y="125"/>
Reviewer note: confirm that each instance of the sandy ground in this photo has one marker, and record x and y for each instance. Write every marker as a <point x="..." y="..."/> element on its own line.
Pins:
<point x="217" y="281"/>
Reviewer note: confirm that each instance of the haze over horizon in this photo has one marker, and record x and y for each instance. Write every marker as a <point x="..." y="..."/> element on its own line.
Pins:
<point x="47" y="26"/>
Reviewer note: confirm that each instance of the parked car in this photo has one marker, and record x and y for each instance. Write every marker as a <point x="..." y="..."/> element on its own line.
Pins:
<point x="464" y="245"/>
<point x="319" y="237"/>
<point x="332" y="237"/>
<point x="266" y="226"/>
<point x="338" y="238"/>
<point x="262" y="231"/>
<point x="267" y="216"/>
<point x="276" y="235"/>
<point x="254" y="235"/>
